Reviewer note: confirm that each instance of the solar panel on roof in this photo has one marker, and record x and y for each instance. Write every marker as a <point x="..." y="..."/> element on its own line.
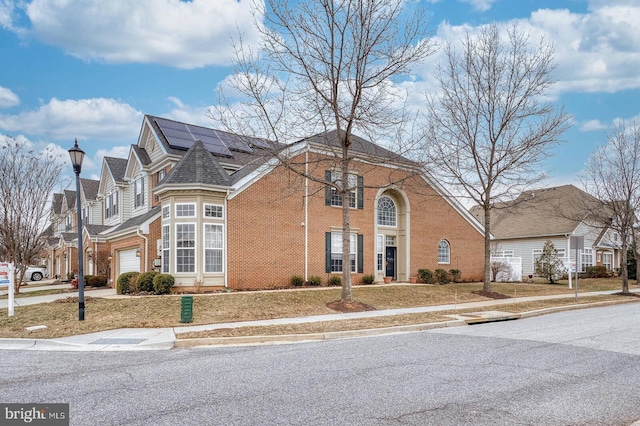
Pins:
<point x="172" y="133"/>
<point x="215" y="145"/>
<point x="168" y="124"/>
<point x="260" y="143"/>
<point x="234" y="142"/>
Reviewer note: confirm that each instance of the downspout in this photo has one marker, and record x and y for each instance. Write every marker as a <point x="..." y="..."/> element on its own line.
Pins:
<point x="146" y="249"/>
<point x="306" y="216"/>
<point x="225" y="256"/>
<point x="569" y="257"/>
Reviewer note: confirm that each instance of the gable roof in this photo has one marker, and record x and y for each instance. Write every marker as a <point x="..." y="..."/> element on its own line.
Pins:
<point x="56" y="203"/>
<point x="117" y="166"/>
<point x="89" y="188"/>
<point x="538" y="213"/>
<point x="141" y="154"/>
<point x="136" y="221"/>
<point x="197" y="166"/>
<point x="362" y="146"/>
<point x="70" y="197"/>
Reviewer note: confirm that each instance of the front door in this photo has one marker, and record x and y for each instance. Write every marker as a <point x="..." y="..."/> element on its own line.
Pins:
<point x="390" y="255"/>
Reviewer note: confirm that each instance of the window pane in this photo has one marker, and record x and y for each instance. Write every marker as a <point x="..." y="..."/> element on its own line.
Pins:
<point x="211" y="210"/>
<point x="386" y="212"/>
<point x="443" y="252"/>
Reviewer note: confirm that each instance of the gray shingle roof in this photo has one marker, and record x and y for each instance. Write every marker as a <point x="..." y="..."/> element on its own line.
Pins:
<point x="358" y="144"/>
<point x="56" y="203"/>
<point x="543" y="212"/>
<point x="198" y="166"/>
<point x="118" y="166"/>
<point x="96" y="229"/>
<point x="69" y="236"/>
<point x="70" y="196"/>
<point x="136" y="221"/>
<point x="142" y="155"/>
<point x="90" y="188"/>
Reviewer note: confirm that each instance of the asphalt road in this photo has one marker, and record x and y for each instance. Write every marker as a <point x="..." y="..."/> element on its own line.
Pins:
<point x="579" y="368"/>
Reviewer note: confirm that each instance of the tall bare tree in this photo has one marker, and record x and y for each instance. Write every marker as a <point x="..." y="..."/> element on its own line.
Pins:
<point x="27" y="178"/>
<point x="327" y="65"/>
<point x="490" y="128"/>
<point x="612" y="176"/>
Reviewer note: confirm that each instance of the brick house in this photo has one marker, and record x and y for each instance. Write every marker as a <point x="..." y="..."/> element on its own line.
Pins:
<point x="215" y="209"/>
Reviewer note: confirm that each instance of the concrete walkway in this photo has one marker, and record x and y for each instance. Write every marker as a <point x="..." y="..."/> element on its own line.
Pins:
<point x="165" y="338"/>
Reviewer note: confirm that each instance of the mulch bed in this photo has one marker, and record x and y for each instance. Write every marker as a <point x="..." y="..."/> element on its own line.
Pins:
<point x="346" y="307"/>
<point x="627" y="294"/>
<point x="491" y="294"/>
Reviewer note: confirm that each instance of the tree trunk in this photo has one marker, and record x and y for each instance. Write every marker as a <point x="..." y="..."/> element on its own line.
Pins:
<point x="487" y="249"/>
<point x="347" y="294"/>
<point x="623" y="264"/>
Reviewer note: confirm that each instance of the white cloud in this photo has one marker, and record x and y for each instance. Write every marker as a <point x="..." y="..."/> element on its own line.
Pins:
<point x="592" y="126"/>
<point x="597" y="51"/>
<point x="98" y="118"/>
<point x="169" y="32"/>
<point x="8" y="99"/>
<point x="480" y="5"/>
<point x="6" y="11"/>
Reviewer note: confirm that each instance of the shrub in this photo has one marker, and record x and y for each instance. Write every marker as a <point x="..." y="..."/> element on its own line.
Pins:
<point x="426" y="276"/>
<point x="315" y="280"/>
<point x="368" y="279"/>
<point x="596" y="272"/>
<point x="126" y="282"/>
<point x="162" y="283"/>
<point x="456" y="275"/>
<point x="442" y="276"/>
<point x="297" y="280"/>
<point x="335" y="280"/>
<point x="96" y="280"/>
<point x="145" y="281"/>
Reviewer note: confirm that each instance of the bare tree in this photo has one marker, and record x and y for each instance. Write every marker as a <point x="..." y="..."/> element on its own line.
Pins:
<point x="490" y="128"/>
<point x="612" y="176"/>
<point x="27" y="178"/>
<point x="327" y="67"/>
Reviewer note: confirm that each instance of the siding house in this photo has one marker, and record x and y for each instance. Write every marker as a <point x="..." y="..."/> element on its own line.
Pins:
<point x="522" y="227"/>
<point x="217" y="210"/>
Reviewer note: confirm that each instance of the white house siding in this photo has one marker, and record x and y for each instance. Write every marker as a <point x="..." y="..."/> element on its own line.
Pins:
<point x="523" y="247"/>
<point x="154" y="150"/>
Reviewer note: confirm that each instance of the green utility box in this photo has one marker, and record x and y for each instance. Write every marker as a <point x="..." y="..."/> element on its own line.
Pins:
<point x="186" y="309"/>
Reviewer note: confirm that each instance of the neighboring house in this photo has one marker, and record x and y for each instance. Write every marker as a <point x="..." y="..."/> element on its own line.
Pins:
<point x="521" y="228"/>
<point x="215" y="209"/>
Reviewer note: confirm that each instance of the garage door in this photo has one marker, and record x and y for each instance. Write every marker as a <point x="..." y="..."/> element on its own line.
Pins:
<point x="128" y="261"/>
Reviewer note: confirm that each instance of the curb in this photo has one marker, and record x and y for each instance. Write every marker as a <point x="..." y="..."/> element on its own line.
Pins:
<point x="299" y="338"/>
<point x="348" y="334"/>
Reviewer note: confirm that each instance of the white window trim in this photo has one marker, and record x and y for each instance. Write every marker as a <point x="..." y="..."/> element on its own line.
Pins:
<point x="447" y="262"/>
<point x="353" y="250"/>
<point x="205" y="248"/>
<point x="176" y="248"/>
<point x="395" y="213"/>
<point x="183" y="216"/>
<point x="353" y="193"/>
<point x="166" y="251"/>
<point x="166" y="209"/>
<point x="379" y="252"/>
<point x="204" y="211"/>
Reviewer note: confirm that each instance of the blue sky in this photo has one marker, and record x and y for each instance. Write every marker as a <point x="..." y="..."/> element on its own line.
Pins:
<point x="90" y="69"/>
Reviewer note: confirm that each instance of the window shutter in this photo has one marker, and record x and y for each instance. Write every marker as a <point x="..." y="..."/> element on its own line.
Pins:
<point x="360" y="192"/>
<point x="360" y="253"/>
<point x="327" y="254"/>
<point x="327" y="189"/>
<point x="142" y="196"/>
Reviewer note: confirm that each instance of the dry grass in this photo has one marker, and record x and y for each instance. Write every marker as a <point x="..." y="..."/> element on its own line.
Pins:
<point x="61" y="319"/>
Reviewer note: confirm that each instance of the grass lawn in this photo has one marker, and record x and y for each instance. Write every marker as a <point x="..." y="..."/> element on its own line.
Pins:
<point x="61" y="318"/>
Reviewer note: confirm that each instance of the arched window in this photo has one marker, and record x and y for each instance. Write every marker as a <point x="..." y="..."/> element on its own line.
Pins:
<point x="386" y="212"/>
<point x="444" y="252"/>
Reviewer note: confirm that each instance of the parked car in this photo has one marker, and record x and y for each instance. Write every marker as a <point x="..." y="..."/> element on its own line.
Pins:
<point x="35" y="273"/>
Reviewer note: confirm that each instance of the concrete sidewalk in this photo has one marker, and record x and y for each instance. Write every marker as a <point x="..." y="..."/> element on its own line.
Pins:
<point x="167" y="338"/>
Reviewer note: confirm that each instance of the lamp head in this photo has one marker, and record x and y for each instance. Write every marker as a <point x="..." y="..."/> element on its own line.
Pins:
<point x="77" y="155"/>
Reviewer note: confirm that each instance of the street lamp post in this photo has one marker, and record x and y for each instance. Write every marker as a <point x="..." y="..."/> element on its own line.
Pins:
<point x="77" y="155"/>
